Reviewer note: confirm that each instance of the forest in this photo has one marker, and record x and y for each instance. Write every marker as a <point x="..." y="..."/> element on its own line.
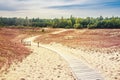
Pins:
<point x="72" y="22"/>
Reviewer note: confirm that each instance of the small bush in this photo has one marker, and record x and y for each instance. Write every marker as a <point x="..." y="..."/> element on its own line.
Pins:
<point x="91" y="26"/>
<point x="77" y="26"/>
<point x="43" y="30"/>
<point x="67" y="27"/>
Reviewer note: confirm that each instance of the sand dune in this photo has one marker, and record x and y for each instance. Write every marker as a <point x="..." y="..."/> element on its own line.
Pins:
<point x="42" y="64"/>
<point x="106" y="63"/>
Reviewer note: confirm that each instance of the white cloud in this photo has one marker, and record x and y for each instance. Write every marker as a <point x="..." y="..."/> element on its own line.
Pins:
<point x="38" y="8"/>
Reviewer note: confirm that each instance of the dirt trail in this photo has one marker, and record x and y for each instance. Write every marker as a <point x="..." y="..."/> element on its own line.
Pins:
<point x="41" y="64"/>
<point x="81" y="70"/>
<point x="105" y="60"/>
<point x="57" y="32"/>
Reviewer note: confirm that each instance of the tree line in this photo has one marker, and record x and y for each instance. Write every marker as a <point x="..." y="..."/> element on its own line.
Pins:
<point x="72" y="22"/>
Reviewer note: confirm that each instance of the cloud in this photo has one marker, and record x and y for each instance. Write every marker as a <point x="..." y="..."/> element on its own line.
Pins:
<point x="58" y="8"/>
<point x="11" y="5"/>
<point x="34" y="4"/>
<point x="94" y="5"/>
<point x="6" y="8"/>
<point x="56" y="4"/>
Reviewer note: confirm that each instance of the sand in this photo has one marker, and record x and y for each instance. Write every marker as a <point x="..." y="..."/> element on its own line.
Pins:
<point x="108" y="64"/>
<point x="106" y="60"/>
<point x="41" y="64"/>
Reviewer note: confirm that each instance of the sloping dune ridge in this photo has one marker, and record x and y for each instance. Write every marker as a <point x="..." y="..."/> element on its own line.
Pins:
<point x="10" y="51"/>
<point x="99" y="48"/>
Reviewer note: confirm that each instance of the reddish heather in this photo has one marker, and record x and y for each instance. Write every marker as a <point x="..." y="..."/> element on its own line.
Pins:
<point x="10" y="50"/>
<point x="96" y="38"/>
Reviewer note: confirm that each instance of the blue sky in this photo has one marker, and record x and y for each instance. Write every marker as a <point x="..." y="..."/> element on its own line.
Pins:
<point x="58" y="8"/>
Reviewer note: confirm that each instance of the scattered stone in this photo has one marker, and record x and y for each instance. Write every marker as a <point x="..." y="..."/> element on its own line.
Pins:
<point x="38" y="76"/>
<point x="22" y="79"/>
<point x="115" y="77"/>
<point x="58" y="76"/>
<point x="97" y="79"/>
<point x="3" y="79"/>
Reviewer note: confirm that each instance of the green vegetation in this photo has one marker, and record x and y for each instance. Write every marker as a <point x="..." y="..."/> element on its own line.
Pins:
<point x="72" y="22"/>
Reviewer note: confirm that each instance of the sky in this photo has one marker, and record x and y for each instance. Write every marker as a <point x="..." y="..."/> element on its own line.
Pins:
<point x="59" y="8"/>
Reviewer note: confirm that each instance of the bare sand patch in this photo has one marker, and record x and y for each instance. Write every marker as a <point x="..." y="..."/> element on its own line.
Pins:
<point x="100" y="48"/>
<point x="106" y="63"/>
<point x="42" y="64"/>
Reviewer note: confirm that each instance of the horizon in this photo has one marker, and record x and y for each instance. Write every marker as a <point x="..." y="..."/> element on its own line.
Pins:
<point x="63" y="17"/>
<point x="46" y="9"/>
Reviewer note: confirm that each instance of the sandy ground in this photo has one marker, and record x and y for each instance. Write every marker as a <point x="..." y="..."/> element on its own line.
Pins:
<point x="10" y="50"/>
<point x="106" y="63"/>
<point x="98" y="48"/>
<point x="42" y="64"/>
<point x="45" y="65"/>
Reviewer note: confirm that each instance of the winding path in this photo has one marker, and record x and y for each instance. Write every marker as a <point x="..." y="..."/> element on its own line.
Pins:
<point x="41" y="64"/>
<point x="31" y="68"/>
<point x="80" y="70"/>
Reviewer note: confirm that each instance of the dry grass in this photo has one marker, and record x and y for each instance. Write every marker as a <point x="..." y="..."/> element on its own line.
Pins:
<point x="98" y="47"/>
<point x="10" y="50"/>
<point x="106" y="42"/>
<point x="36" y="31"/>
<point x="98" y="38"/>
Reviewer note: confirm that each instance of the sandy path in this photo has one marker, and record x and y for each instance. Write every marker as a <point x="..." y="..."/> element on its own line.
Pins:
<point x="107" y="64"/>
<point x="41" y="64"/>
<point x="81" y="70"/>
<point x="57" y="32"/>
<point x="105" y="60"/>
